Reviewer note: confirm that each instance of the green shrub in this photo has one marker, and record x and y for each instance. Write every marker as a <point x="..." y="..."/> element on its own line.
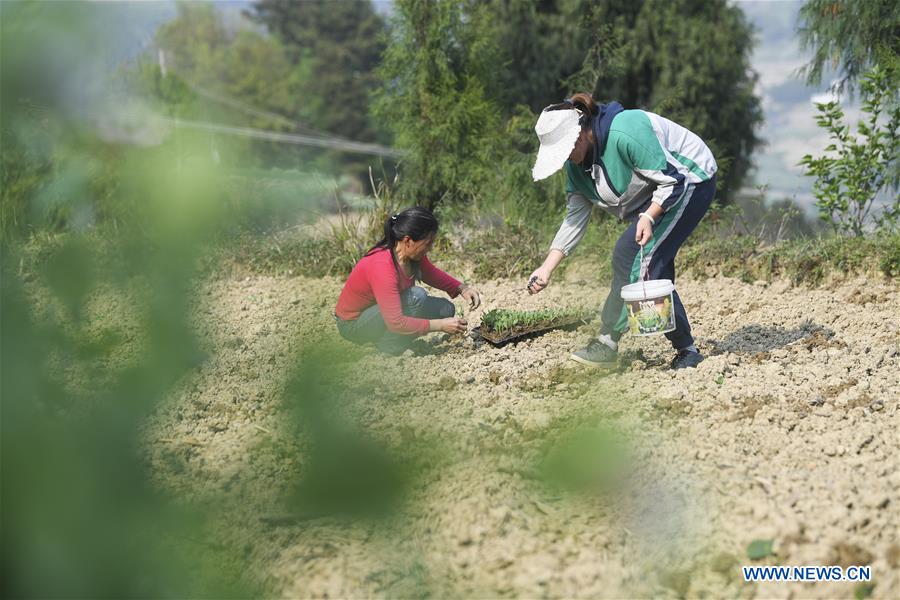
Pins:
<point x="848" y="182"/>
<point x="889" y="261"/>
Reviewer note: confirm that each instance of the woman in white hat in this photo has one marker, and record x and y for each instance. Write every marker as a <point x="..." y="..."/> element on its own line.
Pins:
<point x="643" y="169"/>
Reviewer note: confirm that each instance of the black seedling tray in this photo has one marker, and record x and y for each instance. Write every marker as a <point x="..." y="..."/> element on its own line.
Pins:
<point x="499" y="340"/>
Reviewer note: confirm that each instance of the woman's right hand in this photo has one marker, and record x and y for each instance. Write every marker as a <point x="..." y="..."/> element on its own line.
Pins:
<point x="453" y="325"/>
<point x="538" y="280"/>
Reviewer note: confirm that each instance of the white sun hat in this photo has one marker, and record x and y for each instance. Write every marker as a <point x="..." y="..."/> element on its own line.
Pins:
<point x="558" y="131"/>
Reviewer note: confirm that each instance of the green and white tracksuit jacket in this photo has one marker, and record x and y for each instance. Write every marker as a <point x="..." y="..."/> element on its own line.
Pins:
<point x="639" y="157"/>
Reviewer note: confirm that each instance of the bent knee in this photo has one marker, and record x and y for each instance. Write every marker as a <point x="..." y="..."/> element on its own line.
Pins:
<point x="413" y="300"/>
<point x="445" y="309"/>
<point x="415" y="295"/>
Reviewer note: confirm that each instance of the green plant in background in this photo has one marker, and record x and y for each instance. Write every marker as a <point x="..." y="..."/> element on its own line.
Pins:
<point x="849" y="182"/>
<point x="204" y="67"/>
<point x="339" y="45"/>
<point x="436" y="101"/>
<point x="353" y="234"/>
<point x="755" y="215"/>
<point x="462" y="101"/>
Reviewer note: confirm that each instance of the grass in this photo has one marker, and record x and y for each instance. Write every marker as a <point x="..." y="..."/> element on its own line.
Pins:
<point x="296" y="255"/>
<point x="803" y="261"/>
<point x="486" y="245"/>
<point x="339" y="242"/>
<point x="508" y="237"/>
<point x="501" y="250"/>
<point x="504" y="251"/>
<point x="491" y="251"/>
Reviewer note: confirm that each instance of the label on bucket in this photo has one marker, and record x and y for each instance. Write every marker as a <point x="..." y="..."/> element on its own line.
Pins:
<point x="654" y="315"/>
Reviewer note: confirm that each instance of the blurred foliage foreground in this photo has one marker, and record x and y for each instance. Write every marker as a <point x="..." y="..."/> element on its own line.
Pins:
<point x="79" y="516"/>
<point x="97" y="334"/>
<point x="100" y="337"/>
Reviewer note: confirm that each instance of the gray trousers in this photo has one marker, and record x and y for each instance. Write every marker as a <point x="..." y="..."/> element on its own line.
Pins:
<point x="369" y="327"/>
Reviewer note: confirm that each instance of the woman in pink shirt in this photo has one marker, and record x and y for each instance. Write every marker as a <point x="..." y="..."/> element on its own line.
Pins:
<point x="381" y="305"/>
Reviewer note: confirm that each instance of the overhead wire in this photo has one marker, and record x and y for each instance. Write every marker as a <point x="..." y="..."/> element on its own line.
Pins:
<point x="307" y="136"/>
<point x="289" y="138"/>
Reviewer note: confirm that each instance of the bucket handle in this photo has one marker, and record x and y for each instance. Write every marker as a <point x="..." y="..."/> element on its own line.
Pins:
<point x="643" y="274"/>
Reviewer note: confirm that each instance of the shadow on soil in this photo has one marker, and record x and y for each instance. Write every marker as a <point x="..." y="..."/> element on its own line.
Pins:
<point x="760" y="338"/>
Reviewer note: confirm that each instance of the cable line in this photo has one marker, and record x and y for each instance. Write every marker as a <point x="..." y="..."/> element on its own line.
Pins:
<point x="288" y="138"/>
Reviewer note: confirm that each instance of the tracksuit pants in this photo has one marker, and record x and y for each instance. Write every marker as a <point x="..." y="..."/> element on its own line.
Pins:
<point x="669" y="234"/>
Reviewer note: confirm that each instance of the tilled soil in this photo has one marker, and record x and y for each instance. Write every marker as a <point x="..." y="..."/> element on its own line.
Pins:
<point x="788" y="431"/>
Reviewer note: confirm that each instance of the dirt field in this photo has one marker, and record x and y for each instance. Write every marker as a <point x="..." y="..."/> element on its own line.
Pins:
<point x="787" y="431"/>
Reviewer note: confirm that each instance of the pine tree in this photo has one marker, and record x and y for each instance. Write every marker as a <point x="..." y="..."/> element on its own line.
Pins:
<point x="688" y="61"/>
<point x="434" y="96"/>
<point x="850" y="36"/>
<point x="344" y="40"/>
<point x="540" y="45"/>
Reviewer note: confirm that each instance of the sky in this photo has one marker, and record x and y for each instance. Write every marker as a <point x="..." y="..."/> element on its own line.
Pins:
<point x="789" y="130"/>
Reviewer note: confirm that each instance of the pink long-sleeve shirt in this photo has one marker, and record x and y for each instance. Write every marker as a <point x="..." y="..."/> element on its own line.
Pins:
<point x="375" y="279"/>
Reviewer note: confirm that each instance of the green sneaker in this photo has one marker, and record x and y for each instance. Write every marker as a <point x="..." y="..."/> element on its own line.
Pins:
<point x="597" y="355"/>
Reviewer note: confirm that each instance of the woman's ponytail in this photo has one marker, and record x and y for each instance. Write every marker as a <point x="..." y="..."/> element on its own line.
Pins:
<point x="584" y="103"/>
<point x="389" y="239"/>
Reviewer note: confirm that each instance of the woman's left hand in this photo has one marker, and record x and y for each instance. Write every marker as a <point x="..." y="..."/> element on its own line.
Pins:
<point x="644" y="231"/>
<point x="472" y="295"/>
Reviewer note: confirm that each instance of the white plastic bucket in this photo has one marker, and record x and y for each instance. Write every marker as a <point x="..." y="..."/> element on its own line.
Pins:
<point x="650" y="306"/>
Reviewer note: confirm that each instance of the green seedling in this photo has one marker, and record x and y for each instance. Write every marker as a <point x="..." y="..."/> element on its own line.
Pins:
<point x="501" y="321"/>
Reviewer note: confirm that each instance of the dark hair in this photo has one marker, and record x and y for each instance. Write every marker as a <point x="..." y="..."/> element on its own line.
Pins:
<point x="416" y="222"/>
<point x="583" y="102"/>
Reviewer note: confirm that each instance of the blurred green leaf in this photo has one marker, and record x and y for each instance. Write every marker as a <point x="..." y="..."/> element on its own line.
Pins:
<point x="758" y="549"/>
<point x="863" y="590"/>
<point x="69" y="274"/>
<point x="586" y="458"/>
